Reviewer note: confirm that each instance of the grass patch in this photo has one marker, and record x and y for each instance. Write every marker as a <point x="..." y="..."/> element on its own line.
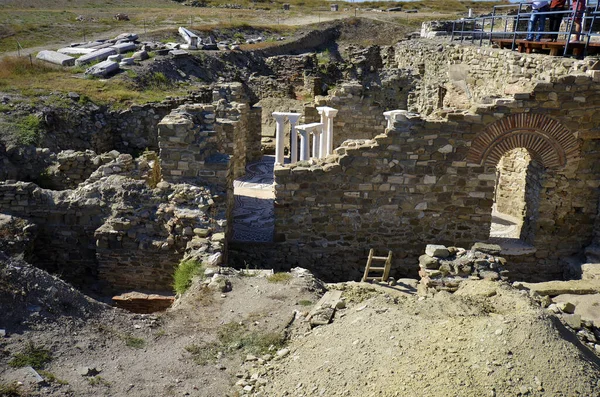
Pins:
<point x="134" y="342"/>
<point x="12" y="389"/>
<point x="29" y="129"/>
<point x="235" y="336"/>
<point x="98" y="381"/>
<point x="50" y="377"/>
<point x="185" y="272"/>
<point x="34" y="356"/>
<point x="305" y="302"/>
<point x="204" y="354"/>
<point x="279" y="277"/>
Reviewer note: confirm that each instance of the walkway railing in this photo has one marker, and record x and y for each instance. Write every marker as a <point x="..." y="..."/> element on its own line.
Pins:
<point x="502" y="25"/>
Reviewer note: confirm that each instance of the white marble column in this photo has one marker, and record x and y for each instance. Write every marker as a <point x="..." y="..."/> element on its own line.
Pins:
<point x="293" y="118"/>
<point x="304" y="154"/>
<point x="330" y="113"/>
<point x="279" y="137"/>
<point x="388" y="118"/>
<point x="316" y="143"/>
<point x="323" y="138"/>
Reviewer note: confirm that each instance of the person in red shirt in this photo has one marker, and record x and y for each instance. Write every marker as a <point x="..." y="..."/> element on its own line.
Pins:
<point x="556" y="19"/>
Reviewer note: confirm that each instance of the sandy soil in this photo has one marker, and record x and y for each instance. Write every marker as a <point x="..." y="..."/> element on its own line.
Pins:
<point x="486" y="340"/>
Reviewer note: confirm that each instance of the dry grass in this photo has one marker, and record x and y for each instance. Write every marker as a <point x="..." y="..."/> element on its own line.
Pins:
<point x="33" y="78"/>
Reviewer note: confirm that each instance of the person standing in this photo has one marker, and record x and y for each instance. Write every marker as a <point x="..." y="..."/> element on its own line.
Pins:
<point x="557" y="17"/>
<point x="578" y="9"/>
<point x="537" y="20"/>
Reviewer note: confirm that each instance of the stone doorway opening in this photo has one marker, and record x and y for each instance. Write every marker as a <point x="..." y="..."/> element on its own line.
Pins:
<point x="517" y="190"/>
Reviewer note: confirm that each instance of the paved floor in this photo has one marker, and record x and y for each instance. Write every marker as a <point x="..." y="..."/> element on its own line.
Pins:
<point x="505" y="232"/>
<point x="253" y="217"/>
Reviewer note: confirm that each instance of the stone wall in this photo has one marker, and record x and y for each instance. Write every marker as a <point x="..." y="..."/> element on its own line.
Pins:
<point x="434" y="180"/>
<point x="459" y="76"/>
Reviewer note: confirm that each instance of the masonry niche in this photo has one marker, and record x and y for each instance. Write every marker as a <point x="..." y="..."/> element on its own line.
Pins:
<point x="517" y="196"/>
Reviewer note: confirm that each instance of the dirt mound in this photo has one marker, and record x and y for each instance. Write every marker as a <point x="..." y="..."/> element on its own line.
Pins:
<point x="467" y="344"/>
<point x="31" y="297"/>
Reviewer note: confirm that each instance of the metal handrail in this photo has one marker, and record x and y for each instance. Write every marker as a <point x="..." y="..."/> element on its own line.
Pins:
<point x="588" y="19"/>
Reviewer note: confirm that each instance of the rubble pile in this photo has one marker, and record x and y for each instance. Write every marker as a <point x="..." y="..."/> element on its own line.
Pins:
<point x="445" y="268"/>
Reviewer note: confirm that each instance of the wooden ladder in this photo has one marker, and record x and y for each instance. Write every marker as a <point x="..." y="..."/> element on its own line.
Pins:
<point x="385" y="270"/>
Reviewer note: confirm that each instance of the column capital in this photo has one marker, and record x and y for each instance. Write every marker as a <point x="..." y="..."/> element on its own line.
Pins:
<point x="330" y="112"/>
<point x="293" y="117"/>
<point x="279" y="116"/>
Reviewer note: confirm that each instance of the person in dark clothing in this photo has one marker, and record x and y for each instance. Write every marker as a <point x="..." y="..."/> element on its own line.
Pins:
<point x="556" y="19"/>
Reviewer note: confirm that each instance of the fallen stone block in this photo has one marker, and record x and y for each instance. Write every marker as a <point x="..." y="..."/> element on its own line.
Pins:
<point x="140" y="55"/>
<point x="124" y="47"/>
<point x="103" y="69"/>
<point x="439" y="251"/>
<point x="554" y="288"/>
<point x="76" y="50"/>
<point x="490" y="249"/>
<point x="127" y="36"/>
<point x="590" y="271"/>
<point x="178" y="53"/>
<point x="100" y="55"/>
<point x="127" y="62"/>
<point x="190" y="38"/>
<point x="114" y="58"/>
<point x="56" y="58"/>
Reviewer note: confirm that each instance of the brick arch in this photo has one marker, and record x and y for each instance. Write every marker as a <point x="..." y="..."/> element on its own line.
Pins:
<point x="548" y="141"/>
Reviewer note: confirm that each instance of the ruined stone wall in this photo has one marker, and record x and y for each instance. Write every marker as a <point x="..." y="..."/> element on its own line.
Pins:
<point x="64" y="242"/>
<point x="464" y="75"/>
<point x="416" y="185"/>
<point x="360" y="111"/>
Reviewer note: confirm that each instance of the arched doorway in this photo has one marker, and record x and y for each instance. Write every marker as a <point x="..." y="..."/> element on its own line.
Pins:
<point x="522" y="149"/>
<point x="516" y="196"/>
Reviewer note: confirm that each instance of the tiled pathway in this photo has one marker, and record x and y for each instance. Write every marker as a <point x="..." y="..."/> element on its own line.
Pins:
<point x="253" y="218"/>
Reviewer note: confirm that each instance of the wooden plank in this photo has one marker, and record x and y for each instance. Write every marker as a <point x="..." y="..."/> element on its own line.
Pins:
<point x="377" y="269"/>
<point x="329" y="300"/>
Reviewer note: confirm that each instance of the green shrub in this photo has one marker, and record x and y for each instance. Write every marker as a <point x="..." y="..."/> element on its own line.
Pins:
<point x="28" y="130"/>
<point x="185" y="272"/>
<point x="34" y="356"/>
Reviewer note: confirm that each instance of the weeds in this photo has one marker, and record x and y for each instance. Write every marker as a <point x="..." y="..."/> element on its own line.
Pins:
<point x="10" y="390"/>
<point x="132" y="341"/>
<point x="280" y="277"/>
<point x="305" y="302"/>
<point x="98" y="381"/>
<point x="235" y="336"/>
<point x="34" y="356"/>
<point x="204" y="354"/>
<point x="185" y="272"/>
<point x="50" y="377"/>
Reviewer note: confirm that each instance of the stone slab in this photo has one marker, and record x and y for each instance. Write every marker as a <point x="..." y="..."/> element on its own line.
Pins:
<point x="76" y="50"/>
<point x="330" y="299"/>
<point x="587" y="306"/>
<point x="99" y="55"/>
<point x="122" y="48"/>
<point x="555" y="288"/>
<point x="590" y="271"/>
<point x="56" y="58"/>
<point x="103" y="69"/>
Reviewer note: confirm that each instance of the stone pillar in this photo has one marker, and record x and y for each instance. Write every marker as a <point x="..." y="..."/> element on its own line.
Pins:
<point x="279" y="137"/>
<point x="293" y="118"/>
<point x="323" y="137"/>
<point x="330" y="113"/>
<point x="303" y="144"/>
<point x="316" y="148"/>
<point x="388" y="118"/>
